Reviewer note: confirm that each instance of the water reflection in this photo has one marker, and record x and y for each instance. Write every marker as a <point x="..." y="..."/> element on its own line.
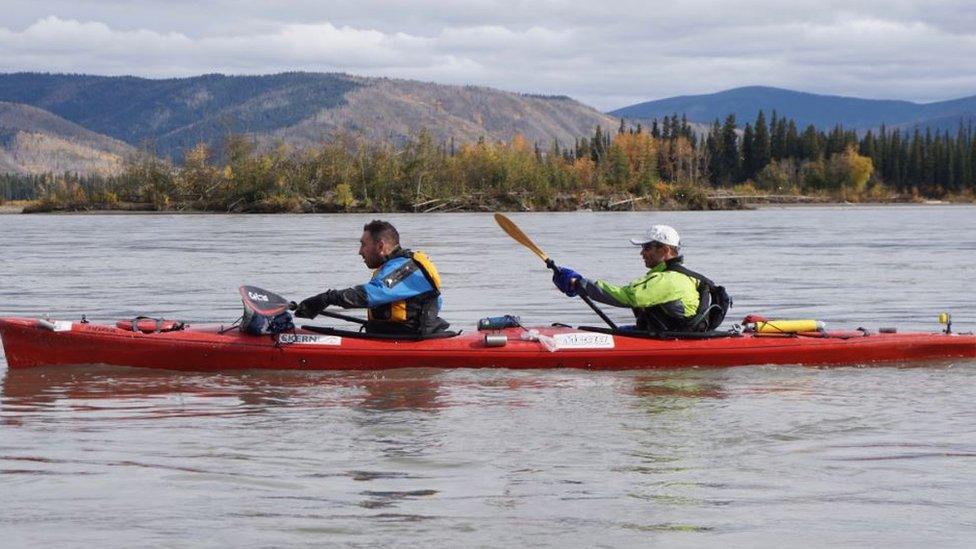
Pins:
<point x="390" y="390"/>
<point x="37" y="389"/>
<point x="676" y="386"/>
<point x="409" y="389"/>
<point x="41" y="388"/>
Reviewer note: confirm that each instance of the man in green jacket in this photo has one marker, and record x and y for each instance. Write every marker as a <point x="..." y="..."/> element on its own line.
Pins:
<point x="664" y="299"/>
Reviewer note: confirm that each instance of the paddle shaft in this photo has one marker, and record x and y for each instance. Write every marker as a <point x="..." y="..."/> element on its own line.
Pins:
<point x="586" y="299"/>
<point x="512" y="230"/>
<point x="340" y="316"/>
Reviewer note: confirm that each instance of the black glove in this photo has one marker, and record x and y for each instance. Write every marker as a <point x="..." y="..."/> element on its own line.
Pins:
<point x="311" y="307"/>
<point x="567" y="280"/>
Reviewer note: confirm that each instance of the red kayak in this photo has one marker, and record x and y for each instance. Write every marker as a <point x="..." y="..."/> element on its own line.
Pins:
<point x="31" y="342"/>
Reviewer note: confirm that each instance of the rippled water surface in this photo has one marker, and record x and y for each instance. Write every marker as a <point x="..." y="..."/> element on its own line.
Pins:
<point x="758" y="456"/>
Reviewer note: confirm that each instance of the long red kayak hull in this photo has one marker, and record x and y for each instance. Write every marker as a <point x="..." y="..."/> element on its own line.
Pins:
<point x="29" y="343"/>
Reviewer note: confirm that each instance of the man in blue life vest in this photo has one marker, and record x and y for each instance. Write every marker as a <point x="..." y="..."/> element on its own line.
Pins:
<point x="403" y="296"/>
<point x="667" y="298"/>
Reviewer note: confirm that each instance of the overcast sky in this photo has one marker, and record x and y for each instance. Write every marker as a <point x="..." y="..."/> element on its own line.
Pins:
<point x="608" y="54"/>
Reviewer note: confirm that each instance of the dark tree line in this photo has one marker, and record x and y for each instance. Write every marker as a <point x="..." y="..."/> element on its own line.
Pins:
<point x="926" y="163"/>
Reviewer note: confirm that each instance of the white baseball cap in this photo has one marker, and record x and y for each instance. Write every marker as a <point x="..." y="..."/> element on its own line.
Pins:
<point x="665" y="234"/>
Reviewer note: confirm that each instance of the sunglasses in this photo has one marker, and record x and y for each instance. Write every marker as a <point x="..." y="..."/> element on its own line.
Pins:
<point x="649" y="245"/>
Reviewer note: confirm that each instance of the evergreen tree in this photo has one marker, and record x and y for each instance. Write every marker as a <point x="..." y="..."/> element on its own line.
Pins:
<point x="713" y="148"/>
<point x="868" y="148"/>
<point x="597" y="152"/>
<point x="748" y="150"/>
<point x="972" y="161"/>
<point x="762" y="147"/>
<point x="899" y="160"/>
<point x="960" y="161"/>
<point x="810" y="144"/>
<point x="583" y="149"/>
<point x="793" y="148"/>
<point x="777" y="138"/>
<point x="731" y="163"/>
<point x="928" y="160"/>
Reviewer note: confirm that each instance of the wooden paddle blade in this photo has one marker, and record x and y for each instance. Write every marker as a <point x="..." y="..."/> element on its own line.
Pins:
<point x="513" y="231"/>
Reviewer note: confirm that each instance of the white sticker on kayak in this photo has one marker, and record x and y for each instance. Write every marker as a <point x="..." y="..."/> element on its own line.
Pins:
<point x="583" y="341"/>
<point x="62" y="325"/>
<point x="306" y="339"/>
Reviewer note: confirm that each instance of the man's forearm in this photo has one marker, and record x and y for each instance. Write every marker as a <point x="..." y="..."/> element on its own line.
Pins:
<point x="596" y="293"/>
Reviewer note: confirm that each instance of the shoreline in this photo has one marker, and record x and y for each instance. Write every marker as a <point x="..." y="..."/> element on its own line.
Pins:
<point x="7" y="209"/>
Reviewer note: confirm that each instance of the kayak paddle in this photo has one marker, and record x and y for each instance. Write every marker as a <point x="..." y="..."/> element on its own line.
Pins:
<point x="292" y="306"/>
<point x="512" y="230"/>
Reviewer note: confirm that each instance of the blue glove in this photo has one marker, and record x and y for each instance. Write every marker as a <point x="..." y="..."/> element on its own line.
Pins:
<point x="563" y="279"/>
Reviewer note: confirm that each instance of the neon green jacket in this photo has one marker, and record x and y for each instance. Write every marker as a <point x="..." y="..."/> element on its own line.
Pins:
<point x="675" y="292"/>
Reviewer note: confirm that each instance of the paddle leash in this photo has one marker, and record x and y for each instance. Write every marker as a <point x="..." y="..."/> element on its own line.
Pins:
<point x="512" y="230"/>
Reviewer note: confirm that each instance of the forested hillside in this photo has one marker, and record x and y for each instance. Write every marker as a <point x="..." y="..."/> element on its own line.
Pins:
<point x="171" y="116"/>
<point x="35" y="141"/>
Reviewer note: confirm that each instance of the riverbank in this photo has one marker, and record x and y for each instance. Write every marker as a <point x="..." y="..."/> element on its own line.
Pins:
<point x="511" y="202"/>
<point x="13" y="207"/>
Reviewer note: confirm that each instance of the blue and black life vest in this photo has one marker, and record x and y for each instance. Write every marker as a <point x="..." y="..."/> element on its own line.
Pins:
<point x="417" y="314"/>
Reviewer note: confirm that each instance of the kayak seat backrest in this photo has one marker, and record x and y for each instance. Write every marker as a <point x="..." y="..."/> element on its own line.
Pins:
<point x="713" y="303"/>
<point x="719" y="303"/>
<point x="710" y="315"/>
<point x="699" y="323"/>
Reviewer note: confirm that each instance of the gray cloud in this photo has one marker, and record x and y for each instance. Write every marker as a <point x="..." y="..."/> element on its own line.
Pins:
<point x="608" y="54"/>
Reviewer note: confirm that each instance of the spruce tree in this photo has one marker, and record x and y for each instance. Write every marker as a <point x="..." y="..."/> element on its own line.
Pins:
<point x="748" y="150"/>
<point x="762" y="148"/>
<point x="713" y="148"/>
<point x="731" y="162"/>
<point x="792" y="140"/>
<point x="810" y="147"/>
<point x="598" y="152"/>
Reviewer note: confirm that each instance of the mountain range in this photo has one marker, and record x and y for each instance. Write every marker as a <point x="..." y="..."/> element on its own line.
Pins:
<point x="296" y="108"/>
<point x="33" y="140"/>
<point x="88" y="124"/>
<point x="823" y="111"/>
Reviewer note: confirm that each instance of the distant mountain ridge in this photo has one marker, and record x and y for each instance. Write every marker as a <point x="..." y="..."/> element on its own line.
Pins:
<point x="87" y="123"/>
<point x="823" y="111"/>
<point x="33" y="140"/>
<point x="295" y="107"/>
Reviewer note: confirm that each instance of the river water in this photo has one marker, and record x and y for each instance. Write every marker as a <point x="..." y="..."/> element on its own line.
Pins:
<point x="759" y="456"/>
